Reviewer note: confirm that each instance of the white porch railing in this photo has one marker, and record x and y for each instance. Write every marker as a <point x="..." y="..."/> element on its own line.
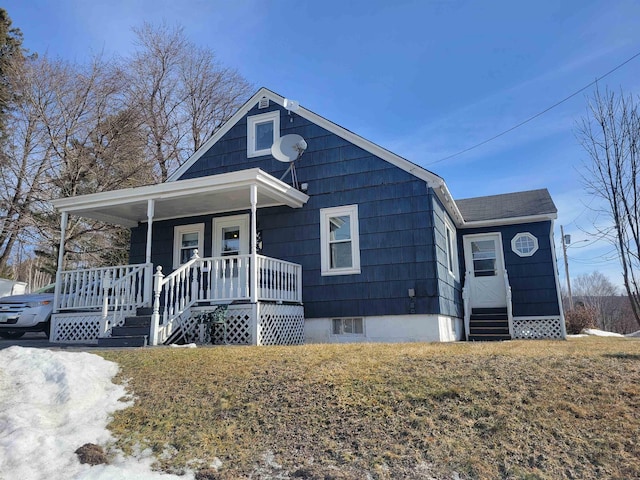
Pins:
<point x="95" y="288"/>
<point x="220" y="280"/>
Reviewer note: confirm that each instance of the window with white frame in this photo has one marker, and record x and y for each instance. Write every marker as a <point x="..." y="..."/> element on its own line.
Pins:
<point x="186" y="240"/>
<point x="347" y="326"/>
<point x="452" y="249"/>
<point x="262" y="131"/>
<point x="524" y="244"/>
<point x="339" y="238"/>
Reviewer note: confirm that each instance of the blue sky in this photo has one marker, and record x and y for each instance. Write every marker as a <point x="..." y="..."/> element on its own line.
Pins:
<point x="424" y="79"/>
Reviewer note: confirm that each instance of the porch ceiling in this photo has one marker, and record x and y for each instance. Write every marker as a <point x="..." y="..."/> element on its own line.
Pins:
<point x="213" y="194"/>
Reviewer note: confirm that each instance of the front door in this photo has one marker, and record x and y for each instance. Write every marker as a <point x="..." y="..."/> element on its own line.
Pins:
<point x="485" y="270"/>
<point x="231" y="249"/>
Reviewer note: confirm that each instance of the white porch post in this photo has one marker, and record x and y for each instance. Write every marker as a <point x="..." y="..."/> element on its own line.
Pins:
<point x="63" y="233"/>
<point x="148" y="283"/>
<point x="150" y="211"/>
<point x="254" y="261"/>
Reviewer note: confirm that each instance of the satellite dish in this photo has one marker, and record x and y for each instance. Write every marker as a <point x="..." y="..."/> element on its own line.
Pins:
<point x="291" y="105"/>
<point x="288" y="149"/>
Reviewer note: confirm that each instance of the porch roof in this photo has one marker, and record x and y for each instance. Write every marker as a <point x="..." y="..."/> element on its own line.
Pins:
<point x="226" y="192"/>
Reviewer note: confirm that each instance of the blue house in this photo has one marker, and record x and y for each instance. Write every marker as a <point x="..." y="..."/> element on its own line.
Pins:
<point x="344" y="241"/>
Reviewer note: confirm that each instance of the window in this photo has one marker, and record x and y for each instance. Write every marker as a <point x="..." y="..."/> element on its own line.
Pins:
<point x="484" y="258"/>
<point x="262" y="131"/>
<point x="524" y="244"/>
<point x="347" y="326"/>
<point x="452" y="250"/>
<point x="187" y="239"/>
<point x="339" y="238"/>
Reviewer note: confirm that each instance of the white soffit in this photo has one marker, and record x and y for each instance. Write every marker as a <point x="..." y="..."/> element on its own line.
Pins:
<point x="199" y="196"/>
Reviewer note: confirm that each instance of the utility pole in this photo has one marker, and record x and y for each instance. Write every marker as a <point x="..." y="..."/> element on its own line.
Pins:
<point x="565" y="241"/>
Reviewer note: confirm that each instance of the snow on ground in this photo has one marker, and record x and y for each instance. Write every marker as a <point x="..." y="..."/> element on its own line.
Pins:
<point x="51" y="403"/>
<point x="601" y="333"/>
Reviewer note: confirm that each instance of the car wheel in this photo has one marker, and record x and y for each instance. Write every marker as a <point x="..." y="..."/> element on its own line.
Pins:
<point x="11" y="335"/>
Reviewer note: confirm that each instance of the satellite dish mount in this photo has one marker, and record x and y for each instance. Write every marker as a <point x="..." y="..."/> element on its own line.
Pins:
<point x="288" y="149"/>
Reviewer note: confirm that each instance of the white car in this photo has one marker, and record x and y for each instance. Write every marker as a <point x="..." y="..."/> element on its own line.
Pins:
<point x="26" y="313"/>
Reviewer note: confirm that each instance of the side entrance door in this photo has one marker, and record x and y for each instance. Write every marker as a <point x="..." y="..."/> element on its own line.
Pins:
<point x="484" y="263"/>
<point x="231" y="275"/>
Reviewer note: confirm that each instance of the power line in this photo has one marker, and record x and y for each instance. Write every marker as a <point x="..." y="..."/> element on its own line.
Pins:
<point x="537" y="114"/>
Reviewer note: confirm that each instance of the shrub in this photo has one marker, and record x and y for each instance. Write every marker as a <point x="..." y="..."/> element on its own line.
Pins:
<point x="581" y="317"/>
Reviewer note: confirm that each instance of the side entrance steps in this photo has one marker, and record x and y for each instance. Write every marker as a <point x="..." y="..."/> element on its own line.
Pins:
<point x="134" y="333"/>
<point x="488" y="324"/>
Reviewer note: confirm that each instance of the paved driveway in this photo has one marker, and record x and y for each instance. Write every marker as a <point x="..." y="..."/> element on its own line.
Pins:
<point x="39" y="340"/>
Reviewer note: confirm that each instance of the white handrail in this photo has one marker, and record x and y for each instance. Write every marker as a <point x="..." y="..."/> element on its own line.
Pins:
<point x="509" y="303"/>
<point x="466" y="298"/>
<point x="219" y="280"/>
<point x="124" y="295"/>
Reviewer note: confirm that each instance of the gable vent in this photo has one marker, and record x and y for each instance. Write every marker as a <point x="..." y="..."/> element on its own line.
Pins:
<point x="263" y="103"/>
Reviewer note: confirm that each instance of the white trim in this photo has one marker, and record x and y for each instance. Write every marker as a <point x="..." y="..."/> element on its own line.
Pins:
<point x="432" y="180"/>
<point x="252" y="123"/>
<point x="513" y="220"/>
<point x="274" y="191"/>
<point x="518" y="236"/>
<point x="180" y="230"/>
<point x="325" y="214"/>
<point x="554" y="261"/>
<point x="451" y="249"/>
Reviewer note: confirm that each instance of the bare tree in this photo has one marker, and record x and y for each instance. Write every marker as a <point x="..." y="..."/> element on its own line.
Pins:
<point x="183" y="94"/>
<point x="611" y="136"/>
<point x="596" y="291"/>
<point x="25" y="155"/>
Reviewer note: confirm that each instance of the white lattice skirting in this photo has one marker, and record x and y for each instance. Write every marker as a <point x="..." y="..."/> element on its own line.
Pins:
<point x="75" y="328"/>
<point x="537" y="327"/>
<point x="278" y="325"/>
<point x="239" y="325"/>
<point x="281" y="324"/>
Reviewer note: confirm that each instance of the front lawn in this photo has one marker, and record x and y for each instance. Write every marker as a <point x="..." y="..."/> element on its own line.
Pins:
<point x="518" y="409"/>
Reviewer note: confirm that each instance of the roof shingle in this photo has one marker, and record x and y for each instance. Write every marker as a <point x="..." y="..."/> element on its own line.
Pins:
<point x="507" y="205"/>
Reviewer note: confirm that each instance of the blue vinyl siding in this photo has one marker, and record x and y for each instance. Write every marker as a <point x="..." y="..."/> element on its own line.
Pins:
<point x="395" y="222"/>
<point x="532" y="279"/>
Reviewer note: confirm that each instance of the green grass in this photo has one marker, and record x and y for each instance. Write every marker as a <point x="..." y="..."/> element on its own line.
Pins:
<point x="520" y="409"/>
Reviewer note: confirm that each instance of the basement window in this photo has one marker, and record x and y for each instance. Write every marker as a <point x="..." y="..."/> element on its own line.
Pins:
<point x="347" y="326"/>
<point x="524" y="244"/>
<point x="262" y="131"/>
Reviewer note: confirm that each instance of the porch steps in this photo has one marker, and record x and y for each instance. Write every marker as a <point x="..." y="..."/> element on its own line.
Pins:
<point x="134" y="332"/>
<point x="488" y="324"/>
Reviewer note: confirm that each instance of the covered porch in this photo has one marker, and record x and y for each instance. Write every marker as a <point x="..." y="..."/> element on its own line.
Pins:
<point x="262" y="295"/>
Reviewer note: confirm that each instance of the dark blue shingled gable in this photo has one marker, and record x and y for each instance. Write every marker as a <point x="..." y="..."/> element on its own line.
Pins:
<point x="396" y="223"/>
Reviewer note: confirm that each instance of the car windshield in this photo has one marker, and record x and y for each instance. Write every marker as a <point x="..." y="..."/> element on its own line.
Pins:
<point x="47" y="289"/>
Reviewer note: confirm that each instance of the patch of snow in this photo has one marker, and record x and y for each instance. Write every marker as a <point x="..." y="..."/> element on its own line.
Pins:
<point x="634" y="334"/>
<point x="51" y="403"/>
<point x="601" y="333"/>
<point x="186" y="345"/>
